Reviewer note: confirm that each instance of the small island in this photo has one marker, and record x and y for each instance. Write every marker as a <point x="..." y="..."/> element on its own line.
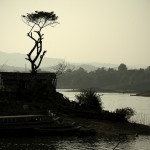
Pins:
<point x="146" y="94"/>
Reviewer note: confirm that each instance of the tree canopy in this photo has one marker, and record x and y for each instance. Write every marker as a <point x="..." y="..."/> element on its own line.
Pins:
<point x="122" y="67"/>
<point x="106" y="79"/>
<point x="40" y="18"/>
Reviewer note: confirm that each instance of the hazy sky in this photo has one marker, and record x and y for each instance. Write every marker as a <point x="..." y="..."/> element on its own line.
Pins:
<point x="109" y="31"/>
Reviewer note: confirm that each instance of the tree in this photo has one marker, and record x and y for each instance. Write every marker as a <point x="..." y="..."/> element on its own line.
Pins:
<point x="128" y="112"/>
<point x="60" y="68"/>
<point x="90" y="100"/>
<point x="148" y="69"/>
<point x="122" y="67"/>
<point x="38" y="21"/>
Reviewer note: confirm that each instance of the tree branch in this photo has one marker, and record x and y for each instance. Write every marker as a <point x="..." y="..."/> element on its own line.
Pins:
<point x="29" y="55"/>
<point x="52" y="23"/>
<point x="30" y="35"/>
<point x="32" y="28"/>
<point x="39" y="48"/>
<point x="41" y="57"/>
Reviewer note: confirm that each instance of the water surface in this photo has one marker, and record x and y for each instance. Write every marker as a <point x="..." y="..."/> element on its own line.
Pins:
<point x="74" y="143"/>
<point x="112" y="101"/>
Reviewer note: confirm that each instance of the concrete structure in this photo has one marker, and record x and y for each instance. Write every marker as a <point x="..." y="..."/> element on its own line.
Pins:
<point x="14" y="81"/>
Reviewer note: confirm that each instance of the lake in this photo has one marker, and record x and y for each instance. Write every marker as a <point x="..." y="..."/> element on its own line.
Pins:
<point x="111" y="101"/>
<point x="73" y="143"/>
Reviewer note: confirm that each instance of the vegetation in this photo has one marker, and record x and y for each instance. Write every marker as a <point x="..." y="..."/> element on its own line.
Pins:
<point x="122" y="67"/>
<point x="90" y="100"/>
<point x="122" y="79"/>
<point x="38" y="21"/>
<point x="128" y="112"/>
<point x="60" y="68"/>
<point x="111" y="129"/>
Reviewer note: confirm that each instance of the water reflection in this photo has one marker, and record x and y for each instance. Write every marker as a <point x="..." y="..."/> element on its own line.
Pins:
<point x="74" y="143"/>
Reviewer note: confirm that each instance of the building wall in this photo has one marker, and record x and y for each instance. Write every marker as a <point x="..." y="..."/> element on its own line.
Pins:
<point x="13" y="81"/>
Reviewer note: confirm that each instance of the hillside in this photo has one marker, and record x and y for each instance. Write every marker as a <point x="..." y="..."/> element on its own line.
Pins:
<point x="17" y="62"/>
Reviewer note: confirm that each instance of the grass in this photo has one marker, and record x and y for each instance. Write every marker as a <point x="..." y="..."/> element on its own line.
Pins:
<point x="113" y="129"/>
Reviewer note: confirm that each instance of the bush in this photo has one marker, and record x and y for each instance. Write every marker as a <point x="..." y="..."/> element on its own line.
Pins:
<point x="128" y="112"/>
<point x="89" y="99"/>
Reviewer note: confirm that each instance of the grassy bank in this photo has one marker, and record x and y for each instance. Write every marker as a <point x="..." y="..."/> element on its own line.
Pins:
<point x="113" y="129"/>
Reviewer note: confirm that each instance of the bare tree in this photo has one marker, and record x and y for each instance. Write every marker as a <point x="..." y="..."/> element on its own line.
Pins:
<point x="62" y="68"/>
<point x="38" y="21"/>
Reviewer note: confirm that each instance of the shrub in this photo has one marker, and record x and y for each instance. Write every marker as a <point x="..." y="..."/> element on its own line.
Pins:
<point x="89" y="99"/>
<point x="128" y="112"/>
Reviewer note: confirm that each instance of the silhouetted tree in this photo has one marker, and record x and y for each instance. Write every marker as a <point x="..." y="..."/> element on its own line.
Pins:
<point x="136" y="80"/>
<point x="128" y="112"/>
<point x="90" y="100"/>
<point x="60" y="68"/>
<point x="38" y="21"/>
<point x="122" y="67"/>
<point x="148" y="69"/>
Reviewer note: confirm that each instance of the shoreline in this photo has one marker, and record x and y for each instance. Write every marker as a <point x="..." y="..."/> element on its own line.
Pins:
<point x="108" y="129"/>
<point x="97" y="127"/>
<point x="132" y="93"/>
<point x="98" y="90"/>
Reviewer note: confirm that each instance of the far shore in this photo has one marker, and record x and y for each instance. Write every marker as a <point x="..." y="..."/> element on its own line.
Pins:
<point x="100" y="91"/>
<point x="145" y="94"/>
<point x="133" y="93"/>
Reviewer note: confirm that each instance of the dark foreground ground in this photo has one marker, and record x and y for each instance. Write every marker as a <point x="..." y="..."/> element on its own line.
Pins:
<point x="113" y="129"/>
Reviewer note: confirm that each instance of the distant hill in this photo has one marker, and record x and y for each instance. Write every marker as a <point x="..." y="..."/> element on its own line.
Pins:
<point x="93" y="66"/>
<point x="17" y="62"/>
